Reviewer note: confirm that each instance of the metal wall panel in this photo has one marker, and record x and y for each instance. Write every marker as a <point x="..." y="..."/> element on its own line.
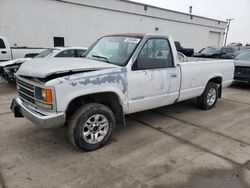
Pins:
<point x="81" y="22"/>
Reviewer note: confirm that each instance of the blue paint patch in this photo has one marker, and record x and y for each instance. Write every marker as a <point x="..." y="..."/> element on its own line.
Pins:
<point x="138" y="98"/>
<point x="119" y="79"/>
<point x="66" y="77"/>
<point x="73" y="84"/>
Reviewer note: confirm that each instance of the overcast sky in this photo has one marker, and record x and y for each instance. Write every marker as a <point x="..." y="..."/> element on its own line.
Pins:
<point x="217" y="9"/>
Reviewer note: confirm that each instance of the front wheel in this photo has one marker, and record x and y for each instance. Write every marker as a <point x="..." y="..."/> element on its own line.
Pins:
<point x="209" y="97"/>
<point x="91" y="126"/>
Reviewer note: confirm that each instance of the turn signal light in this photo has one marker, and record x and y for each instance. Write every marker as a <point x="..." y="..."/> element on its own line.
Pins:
<point x="48" y="95"/>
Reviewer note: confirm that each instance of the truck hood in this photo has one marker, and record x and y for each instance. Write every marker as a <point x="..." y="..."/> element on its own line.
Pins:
<point x="44" y="67"/>
<point x="242" y="63"/>
<point x="15" y="61"/>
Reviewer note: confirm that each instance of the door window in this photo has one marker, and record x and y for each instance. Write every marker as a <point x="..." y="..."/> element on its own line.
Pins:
<point x="155" y="54"/>
<point x="66" y="53"/>
<point x="79" y="53"/>
<point x="227" y="50"/>
<point x="2" y="45"/>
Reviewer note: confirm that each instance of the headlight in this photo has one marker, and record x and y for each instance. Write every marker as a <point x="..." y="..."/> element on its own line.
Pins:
<point x="44" y="94"/>
<point x="43" y="105"/>
<point x="12" y="69"/>
<point x="44" y="97"/>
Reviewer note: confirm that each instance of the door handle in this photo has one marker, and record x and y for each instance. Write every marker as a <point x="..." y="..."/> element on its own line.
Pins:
<point x="173" y="75"/>
<point x="4" y="52"/>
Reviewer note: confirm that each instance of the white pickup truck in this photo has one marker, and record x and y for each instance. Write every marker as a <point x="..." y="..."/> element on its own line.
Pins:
<point x="8" y="53"/>
<point x="120" y="74"/>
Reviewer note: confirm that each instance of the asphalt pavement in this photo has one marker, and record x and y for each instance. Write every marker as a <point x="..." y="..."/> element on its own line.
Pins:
<point x="177" y="146"/>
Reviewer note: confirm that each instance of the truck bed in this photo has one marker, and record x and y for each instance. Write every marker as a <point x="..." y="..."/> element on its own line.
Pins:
<point x="192" y="59"/>
<point x="196" y="74"/>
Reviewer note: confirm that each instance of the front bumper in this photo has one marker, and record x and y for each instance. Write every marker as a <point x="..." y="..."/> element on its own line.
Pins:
<point x="51" y="120"/>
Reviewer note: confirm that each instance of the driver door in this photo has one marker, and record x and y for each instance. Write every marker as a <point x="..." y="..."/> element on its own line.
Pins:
<point x="151" y="75"/>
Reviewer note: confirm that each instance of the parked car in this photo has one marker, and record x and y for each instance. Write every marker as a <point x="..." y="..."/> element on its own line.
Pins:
<point x="9" y="68"/>
<point x="186" y="51"/>
<point x="120" y="74"/>
<point x="242" y="66"/>
<point x="242" y="49"/>
<point x="9" y="53"/>
<point x="31" y="55"/>
<point x="217" y="53"/>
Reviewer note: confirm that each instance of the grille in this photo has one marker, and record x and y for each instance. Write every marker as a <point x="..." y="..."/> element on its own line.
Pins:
<point x="242" y="70"/>
<point x="26" y="91"/>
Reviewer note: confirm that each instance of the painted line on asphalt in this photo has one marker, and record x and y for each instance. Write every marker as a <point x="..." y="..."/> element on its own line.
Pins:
<point x="4" y="113"/>
<point x="5" y="103"/>
<point x="188" y="142"/>
<point x="200" y="127"/>
<point x="234" y="101"/>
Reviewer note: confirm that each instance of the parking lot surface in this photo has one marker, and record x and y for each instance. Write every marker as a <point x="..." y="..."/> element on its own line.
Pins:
<point x="175" y="146"/>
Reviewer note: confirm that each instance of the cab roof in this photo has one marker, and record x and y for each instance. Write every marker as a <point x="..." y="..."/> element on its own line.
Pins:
<point x="139" y="35"/>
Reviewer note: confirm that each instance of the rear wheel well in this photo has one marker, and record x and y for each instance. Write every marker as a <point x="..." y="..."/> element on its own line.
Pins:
<point x="109" y="99"/>
<point x="217" y="80"/>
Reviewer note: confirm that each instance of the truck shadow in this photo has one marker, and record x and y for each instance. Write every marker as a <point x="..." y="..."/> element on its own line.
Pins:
<point x="240" y="85"/>
<point x="59" y="137"/>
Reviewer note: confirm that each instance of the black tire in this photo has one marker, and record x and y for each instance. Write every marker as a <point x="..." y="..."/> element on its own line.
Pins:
<point x="78" y="124"/>
<point x="203" y="99"/>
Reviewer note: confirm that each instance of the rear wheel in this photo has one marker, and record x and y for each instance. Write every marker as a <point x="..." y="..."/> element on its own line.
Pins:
<point x="209" y="97"/>
<point x="91" y="126"/>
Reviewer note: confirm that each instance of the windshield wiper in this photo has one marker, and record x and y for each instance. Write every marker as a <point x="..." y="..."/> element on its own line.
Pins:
<point x="102" y="57"/>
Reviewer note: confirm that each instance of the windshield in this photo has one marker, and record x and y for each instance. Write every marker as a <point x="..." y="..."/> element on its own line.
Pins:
<point x="113" y="49"/>
<point x="211" y="50"/>
<point x="47" y="53"/>
<point x="244" y="55"/>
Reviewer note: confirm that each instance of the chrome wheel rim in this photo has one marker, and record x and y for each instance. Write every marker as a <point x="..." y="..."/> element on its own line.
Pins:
<point x="211" y="97"/>
<point x="95" y="129"/>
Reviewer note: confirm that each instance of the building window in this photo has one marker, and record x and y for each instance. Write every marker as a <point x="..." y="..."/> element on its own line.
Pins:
<point x="58" y="41"/>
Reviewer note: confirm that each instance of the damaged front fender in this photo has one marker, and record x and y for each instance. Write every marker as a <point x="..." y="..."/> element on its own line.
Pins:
<point x="101" y="81"/>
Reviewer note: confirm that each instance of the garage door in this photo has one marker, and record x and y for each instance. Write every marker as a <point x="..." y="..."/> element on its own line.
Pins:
<point x="214" y="39"/>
